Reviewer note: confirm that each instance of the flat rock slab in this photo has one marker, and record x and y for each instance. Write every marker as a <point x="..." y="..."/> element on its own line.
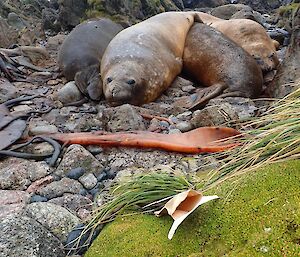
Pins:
<point x="55" y="218"/>
<point x="21" y="236"/>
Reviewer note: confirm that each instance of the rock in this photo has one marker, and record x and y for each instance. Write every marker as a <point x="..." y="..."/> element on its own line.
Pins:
<point x="71" y="12"/>
<point x="36" y="185"/>
<point x="249" y="14"/>
<point x="50" y="20"/>
<point x="73" y="203"/>
<point x="69" y="93"/>
<point x="55" y="218"/>
<point x="22" y="236"/>
<point x="226" y="11"/>
<point x="55" y="42"/>
<point x="184" y="126"/>
<point x="75" y="173"/>
<point x="7" y="90"/>
<point x="122" y="118"/>
<point x="77" y="156"/>
<point x="12" y="201"/>
<point x="84" y="239"/>
<point x="18" y="173"/>
<point x="58" y="188"/>
<point x="8" y="36"/>
<point x="279" y="35"/>
<point x="38" y="198"/>
<point x="287" y="77"/>
<point x="262" y="6"/>
<point x="15" y="21"/>
<point x="88" y="180"/>
<point x="40" y="129"/>
<point x="203" y="3"/>
<point x="222" y="111"/>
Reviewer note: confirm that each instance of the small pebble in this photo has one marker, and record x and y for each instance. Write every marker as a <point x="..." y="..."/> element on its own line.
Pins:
<point x="38" y="198"/>
<point x="88" y="180"/>
<point x="75" y="173"/>
<point x="101" y="177"/>
<point x="184" y="126"/>
<point x="111" y="173"/>
<point x="164" y="124"/>
<point x="264" y="249"/>
<point x="94" y="191"/>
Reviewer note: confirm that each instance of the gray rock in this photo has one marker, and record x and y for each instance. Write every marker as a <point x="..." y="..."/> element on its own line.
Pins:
<point x="77" y="156"/>
<point x="73" y="203"/>
<point x="8" y="35"/>
<point x="41" y="130"/>
<point x="53" y="217"/>
<point x="18" y="173"/>
<point x="58" y="188"/>
<point x="226" y="11"/>
<point x="123" y="118"/>
<point x="88" y="180"/>
<point x="15" y="21"/>
<point x="69" y="93"/>
<point x="22" y="236"/>
<point x="12" y="201"/>
<point x="184" y="126"/>
<point x="185" y="116"/>
<point x="7" y="90"/>
<point x="222" y="111"/>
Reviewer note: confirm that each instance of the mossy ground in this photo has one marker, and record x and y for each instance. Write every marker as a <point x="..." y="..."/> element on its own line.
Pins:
<point x="260" y="218"/>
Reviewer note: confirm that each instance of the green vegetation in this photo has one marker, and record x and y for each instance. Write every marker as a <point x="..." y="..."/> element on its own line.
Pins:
<point x="260" y="218"/>
<point x="288" y="8"/>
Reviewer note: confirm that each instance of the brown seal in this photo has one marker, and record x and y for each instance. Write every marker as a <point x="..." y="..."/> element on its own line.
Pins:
<point x="250" y="35"/>
<point x="143" y="60"/>
<point x="82" y="51"/>
<point x="215" y="61"/>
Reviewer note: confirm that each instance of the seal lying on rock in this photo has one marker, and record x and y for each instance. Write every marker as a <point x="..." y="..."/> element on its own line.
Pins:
<point x="215" y="61"/>
<point x="250" y="35"/>
<point x="82" y="51"/>
<point x="143" y="60"/>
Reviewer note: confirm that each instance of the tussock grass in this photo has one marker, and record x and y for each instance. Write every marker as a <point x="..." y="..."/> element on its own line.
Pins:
<point x="272" y="137"/>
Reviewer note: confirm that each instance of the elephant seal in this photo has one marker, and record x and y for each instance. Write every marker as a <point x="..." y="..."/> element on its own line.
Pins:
<point x="143" y="60"/>
<point x="215" y="61"/>
<point x="81" y="52"/>
<point x="250" y="35"/>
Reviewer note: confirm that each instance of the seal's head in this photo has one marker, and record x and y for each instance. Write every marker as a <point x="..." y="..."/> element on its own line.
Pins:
<point x="266" y="57"/>
<point x="125" y="83"/>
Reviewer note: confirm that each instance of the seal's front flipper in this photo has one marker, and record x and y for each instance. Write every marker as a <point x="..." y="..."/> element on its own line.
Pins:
<point x="89" y="82"/>
<point x="201" y="97"/>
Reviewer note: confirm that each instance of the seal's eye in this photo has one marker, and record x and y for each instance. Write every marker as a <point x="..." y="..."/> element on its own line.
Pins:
<point x="109" y="79"/>
<point x="271" y="55"/>
<point x="131" y="82"/>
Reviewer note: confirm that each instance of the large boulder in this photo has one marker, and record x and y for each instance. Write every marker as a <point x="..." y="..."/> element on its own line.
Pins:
<point x="287" y="78"/>
<point x="8" y="35"/>
<point x="21" y="236"/>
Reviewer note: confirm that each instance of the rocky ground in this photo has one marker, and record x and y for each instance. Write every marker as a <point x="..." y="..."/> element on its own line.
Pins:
<point x="41" y="205"/>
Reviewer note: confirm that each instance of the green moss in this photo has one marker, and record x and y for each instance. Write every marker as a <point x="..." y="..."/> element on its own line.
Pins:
<point x="288" y="8"/>
<point x="260" y="218"/>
